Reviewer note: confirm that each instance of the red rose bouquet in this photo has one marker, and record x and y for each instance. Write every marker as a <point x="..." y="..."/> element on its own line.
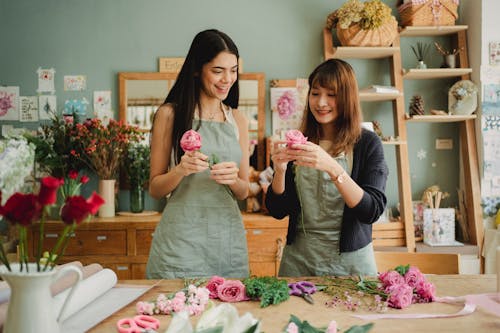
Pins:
<point x="24" y="209"/>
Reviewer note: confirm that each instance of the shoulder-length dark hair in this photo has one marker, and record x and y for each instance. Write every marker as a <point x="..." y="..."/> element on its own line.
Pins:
<point x="185" y="93"/>
<point x="339" y="76"/>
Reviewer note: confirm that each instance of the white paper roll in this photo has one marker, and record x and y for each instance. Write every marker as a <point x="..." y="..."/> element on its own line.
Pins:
<point x="86" y="291"/>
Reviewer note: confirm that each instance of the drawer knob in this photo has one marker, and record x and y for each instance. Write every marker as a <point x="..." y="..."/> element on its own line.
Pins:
<point x="122" y="268"/>
<point x="51" y="235"/>
<point x="257" y="232"/>
<point x="101" y="238"/>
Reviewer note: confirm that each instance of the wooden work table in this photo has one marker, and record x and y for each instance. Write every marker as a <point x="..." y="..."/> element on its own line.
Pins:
<point x="274" y="318"/>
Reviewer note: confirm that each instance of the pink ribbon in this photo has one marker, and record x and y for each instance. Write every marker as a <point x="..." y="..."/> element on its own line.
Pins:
<point x="488" y="302"/>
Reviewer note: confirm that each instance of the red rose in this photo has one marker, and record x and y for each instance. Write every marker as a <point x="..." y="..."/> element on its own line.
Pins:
<point x="22" y="208"/>
<point x="232" y="291"/>
<point x="213" y="284"/>
<point x="48" y="190"/>
<point x="191" y="141"/>
<point x="294" y="137"/>
<point x="73" y="174"/>
<point x="76" y="208"/>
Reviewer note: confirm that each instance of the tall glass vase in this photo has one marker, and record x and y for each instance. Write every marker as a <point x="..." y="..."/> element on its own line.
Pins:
<point x="136" y="198"/>
<point x="107" y="192"/>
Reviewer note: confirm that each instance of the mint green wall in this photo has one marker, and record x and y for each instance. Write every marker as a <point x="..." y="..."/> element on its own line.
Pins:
<point x="282" y="38"/>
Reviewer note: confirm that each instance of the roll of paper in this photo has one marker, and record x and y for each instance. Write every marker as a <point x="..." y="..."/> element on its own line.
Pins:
<point x="86" y="291"/>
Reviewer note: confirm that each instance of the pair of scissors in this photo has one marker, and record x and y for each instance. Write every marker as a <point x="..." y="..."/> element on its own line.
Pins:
<point x="303" y="289"/>
<point x="138" y="324"/>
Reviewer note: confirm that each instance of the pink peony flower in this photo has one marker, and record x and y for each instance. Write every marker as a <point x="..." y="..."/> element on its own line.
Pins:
<point x="232" y="291"/>
<point x="293" y="137"/>
<point x="286" y="105"/>
<point x="400" y="295"/>
<point x="292" y="328"/>
<point x="413" y="277"/>
<point x="391" y="278"/>
<point x="426" y="291"/>
<point x="191" y="141"/>
<point x="214" y="282"/>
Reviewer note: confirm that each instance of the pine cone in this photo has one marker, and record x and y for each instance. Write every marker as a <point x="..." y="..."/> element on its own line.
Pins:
<point x="417" y="105"/>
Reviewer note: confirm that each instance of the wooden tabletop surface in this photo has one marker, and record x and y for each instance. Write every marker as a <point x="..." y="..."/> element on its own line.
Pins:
<point x="274" y="318"/>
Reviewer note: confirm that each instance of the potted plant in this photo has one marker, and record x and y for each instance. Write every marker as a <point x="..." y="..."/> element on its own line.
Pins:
<point x="420" y="50"/>
<point x="136" y="165"/>
<point x="369" y="23"/>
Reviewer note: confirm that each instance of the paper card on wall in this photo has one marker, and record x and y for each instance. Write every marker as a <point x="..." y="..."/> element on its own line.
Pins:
<point x="47" y="106"/>
<point x="46" y="80"/>
<point x="494" y="53"/>
<point x="9" y="103"/>
<point x="79" y="106"/>
<point x="75" y="82"/>
<point x="102" y="100"/>
<point x="490" y="74"/>
<point x="28" y="108"/>
<point x="286" y="113"/>
<point x="104" y="115"/>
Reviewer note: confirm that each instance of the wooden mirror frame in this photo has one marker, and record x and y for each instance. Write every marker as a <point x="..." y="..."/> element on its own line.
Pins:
<point x="123" y="77"/>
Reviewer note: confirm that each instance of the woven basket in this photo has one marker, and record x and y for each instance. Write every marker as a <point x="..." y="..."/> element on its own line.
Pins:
<point x="428" y="12"/>
<point x="355" y="36"/>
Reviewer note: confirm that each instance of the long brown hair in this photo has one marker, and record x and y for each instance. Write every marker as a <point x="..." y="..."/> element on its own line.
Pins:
<point x="339" y="76"/>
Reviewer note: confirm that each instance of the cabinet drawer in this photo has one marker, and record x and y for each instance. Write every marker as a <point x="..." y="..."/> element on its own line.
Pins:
<point x="265" y="245"/>
<point x="86" y="242"/>
<point x="123" y="271"/>
<point x="143" y="240"/>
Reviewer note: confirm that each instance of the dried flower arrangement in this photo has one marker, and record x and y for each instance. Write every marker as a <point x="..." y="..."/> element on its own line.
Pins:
<point x="369" y="15"/>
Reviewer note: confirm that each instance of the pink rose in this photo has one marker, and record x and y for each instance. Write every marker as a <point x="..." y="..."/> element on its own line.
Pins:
<point x="292" y="328"/>
<point x="426" y="291"/>
<point x="191" y="141"/>
<point x="232" y="291"/>
<point x="400" y="296"/>
<point x="294" y="137"/>
<point x="332" y="327"/>
<point x="413" y="277"/>
<point x="212" y="285"/>
<point x="391" y="278"/>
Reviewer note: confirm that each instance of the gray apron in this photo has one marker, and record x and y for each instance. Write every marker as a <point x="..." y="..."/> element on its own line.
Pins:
<point x="316" y="251"/>
<point x="201" y="231"/>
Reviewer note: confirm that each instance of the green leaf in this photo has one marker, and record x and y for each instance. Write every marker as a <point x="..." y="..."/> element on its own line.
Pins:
<point x="402" y="269"/>
<point x="360" y="329"/>
<point x="252" y="329"/>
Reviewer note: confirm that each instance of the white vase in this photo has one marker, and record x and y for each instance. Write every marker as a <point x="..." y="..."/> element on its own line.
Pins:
<point x="107" y="192"/>
<point x="31" y="307"/>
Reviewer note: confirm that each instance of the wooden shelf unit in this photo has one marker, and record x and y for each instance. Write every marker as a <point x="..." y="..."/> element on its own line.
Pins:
<point x="394" y="233"/>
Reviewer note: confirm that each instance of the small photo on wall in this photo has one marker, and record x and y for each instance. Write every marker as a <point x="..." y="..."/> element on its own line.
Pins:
<point x="46" y="80"/>
<point x="47" y="106"/>
<point x="78" y="106"/>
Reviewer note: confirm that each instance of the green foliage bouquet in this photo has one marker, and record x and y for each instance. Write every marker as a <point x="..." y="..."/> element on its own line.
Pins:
<point x="136" y="163"/>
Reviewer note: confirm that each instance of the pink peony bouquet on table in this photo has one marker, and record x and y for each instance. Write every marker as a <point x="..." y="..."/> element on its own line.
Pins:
<point x="226" y="290"/>
<point x="293" y="137"/>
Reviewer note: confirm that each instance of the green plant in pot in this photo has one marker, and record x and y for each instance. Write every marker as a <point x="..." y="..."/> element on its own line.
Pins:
<point x="136" y="165"/>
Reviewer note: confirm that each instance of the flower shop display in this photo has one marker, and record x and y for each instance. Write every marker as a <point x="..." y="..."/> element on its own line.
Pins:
<point x="428" y="12"/>
<point x="30" y="282"/>
<point x="136" y="165"/>
<point x="102" y="148"/>
<point x="462" y="98"/>
<point x="369" y="23"/>
<point x="397" y="288"/>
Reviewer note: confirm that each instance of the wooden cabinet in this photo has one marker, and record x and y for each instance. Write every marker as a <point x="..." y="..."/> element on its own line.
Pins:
<point x="122" y="243"/>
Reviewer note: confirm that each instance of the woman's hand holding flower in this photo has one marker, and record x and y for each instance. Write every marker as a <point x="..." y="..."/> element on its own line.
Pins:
<point x="225" y="173"/>
<point x="311" y="155"/>
<point x="192" y="162"/>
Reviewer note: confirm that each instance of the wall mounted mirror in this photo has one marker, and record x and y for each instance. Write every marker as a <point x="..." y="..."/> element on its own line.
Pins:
<point x="140" y="94"/>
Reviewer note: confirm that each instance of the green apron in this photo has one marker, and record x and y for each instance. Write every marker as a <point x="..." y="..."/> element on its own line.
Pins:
<point x="317" y="252"/>
<point x="201" y="231"/>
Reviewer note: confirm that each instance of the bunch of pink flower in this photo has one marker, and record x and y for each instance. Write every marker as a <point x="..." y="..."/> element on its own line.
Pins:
<point x="406" y="285"/>
<point x="191" y="299"/>
<point x="226" y="290"/>
<point x="293" y="137"/>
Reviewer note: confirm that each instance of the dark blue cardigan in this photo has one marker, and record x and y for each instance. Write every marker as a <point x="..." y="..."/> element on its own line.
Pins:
<point x="369" y="171"/>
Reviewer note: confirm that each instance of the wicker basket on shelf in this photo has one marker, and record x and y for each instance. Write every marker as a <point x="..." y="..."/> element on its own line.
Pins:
<point x="356" y="36"/>
<point x="428" y="12"/>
